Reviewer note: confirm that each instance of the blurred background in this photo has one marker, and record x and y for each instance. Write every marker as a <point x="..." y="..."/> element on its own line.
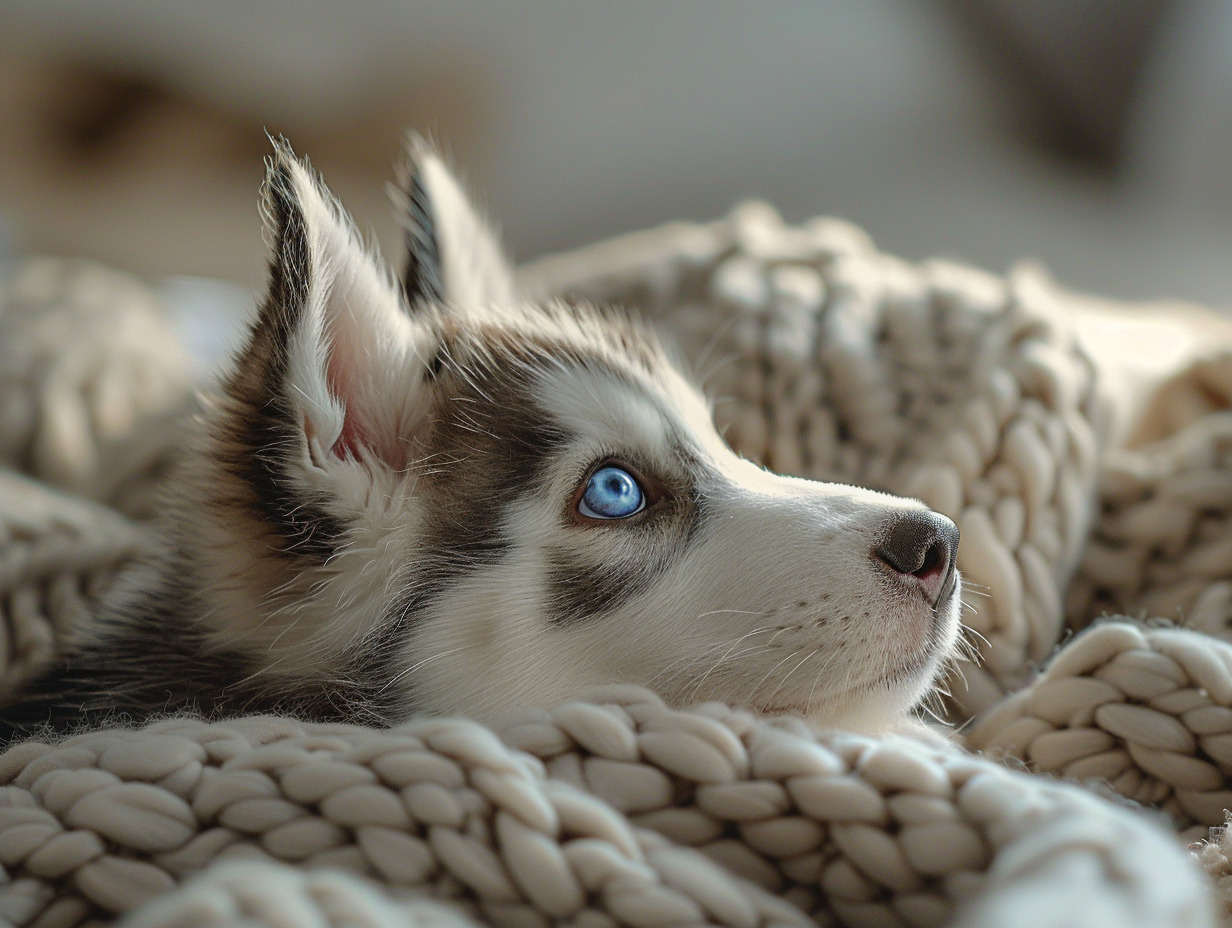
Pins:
<point x="1092" y="135"/>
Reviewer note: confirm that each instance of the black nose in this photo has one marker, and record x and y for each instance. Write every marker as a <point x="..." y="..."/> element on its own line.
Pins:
<point x="921" y="546"/>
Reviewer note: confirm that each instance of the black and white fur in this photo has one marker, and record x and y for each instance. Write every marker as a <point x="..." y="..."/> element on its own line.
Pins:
<point x="381" y="517"/>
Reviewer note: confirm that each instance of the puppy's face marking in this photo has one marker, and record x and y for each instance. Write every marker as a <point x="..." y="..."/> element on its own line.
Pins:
<point x="400" y="481"/>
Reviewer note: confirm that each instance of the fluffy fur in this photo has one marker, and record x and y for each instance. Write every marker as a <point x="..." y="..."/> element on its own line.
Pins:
<point x="381" y="515"/>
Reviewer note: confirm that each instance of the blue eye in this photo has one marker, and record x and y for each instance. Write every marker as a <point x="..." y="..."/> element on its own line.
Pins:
<point x="612" y="493"/>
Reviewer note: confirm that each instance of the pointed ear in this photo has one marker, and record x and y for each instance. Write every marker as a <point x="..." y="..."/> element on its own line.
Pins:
<point x="331" y="334"/>
<point x="453" y="256"/>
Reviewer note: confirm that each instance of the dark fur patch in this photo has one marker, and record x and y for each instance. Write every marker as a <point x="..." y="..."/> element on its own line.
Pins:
<point x="494" y="443"/>
<point x="153" y="662"/>
<point x="585" y="588"/>
<point x="589" y="580"/>
<point x="304" y="523"/>
<point x="421" y="280"/>
<point x="489" y="444"/>
<point x="265" y="430"/>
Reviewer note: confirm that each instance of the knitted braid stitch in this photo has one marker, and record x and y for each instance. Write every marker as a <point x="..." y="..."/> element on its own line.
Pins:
<point x="1162" y="545"/>
<point x="255" y="893"/>
<point x="94" y="382"/>
<point x="999" y="333"/>
<point x="58" y="554"/>
<point x="597" y="825"/>
<point x="1146" y="710"/>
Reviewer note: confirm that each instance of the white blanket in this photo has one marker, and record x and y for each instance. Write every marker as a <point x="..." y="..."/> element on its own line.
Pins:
<point x="1084" y="481"/>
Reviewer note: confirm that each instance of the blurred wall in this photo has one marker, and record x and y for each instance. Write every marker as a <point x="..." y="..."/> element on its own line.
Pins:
<point x="132" y="130"/>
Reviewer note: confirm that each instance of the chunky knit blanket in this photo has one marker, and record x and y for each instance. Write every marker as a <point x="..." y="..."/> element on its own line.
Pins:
<point x="1084" y="449"/>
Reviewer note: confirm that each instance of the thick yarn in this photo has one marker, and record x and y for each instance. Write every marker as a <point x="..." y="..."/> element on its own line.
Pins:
<point x="1162" y="545"/>
<point x="827" y="359"/>
<point x="57" y="556"/>
<point x="599" y="823"/>
<point x="94" y="383"/>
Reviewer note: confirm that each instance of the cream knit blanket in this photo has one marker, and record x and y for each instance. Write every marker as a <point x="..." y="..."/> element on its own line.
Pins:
<point x="1088" y="476"/>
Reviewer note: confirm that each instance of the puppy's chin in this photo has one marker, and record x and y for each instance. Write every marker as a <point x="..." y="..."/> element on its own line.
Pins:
<point x="876" y="711"/>
<point x="876" y="707"/>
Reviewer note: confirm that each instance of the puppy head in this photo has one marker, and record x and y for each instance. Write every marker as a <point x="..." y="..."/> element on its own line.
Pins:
<point x="473" y="503"/>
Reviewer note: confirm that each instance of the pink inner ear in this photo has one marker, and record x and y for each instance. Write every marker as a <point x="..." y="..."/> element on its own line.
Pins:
<point x="358" y="376"/>
<point x="352" y="437"/>
<point x="349" y="442"/>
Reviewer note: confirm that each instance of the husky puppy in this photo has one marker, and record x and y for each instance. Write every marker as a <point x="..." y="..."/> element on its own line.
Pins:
<point x="426" y="496"/>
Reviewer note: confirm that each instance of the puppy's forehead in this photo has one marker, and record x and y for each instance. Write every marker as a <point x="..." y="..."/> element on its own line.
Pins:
<point x="568" y="328"/>
<point x="622" y="408"/>
<point x="600" y="376"/>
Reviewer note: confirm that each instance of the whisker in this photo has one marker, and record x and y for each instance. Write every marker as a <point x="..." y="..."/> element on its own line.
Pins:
<point x="726" y="657"/>
<point x="783" y="682"/>
<point x="402" y="674"/>
<point x="769" y="672"/>
<point x="967" y="630"/>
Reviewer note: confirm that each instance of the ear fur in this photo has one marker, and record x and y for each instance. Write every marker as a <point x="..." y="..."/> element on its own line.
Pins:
<point x="331" y="331"/>
<point x="453" y="256"/>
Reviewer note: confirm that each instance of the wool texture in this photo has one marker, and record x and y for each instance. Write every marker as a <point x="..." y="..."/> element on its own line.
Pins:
<point x="1098" y="577"/>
